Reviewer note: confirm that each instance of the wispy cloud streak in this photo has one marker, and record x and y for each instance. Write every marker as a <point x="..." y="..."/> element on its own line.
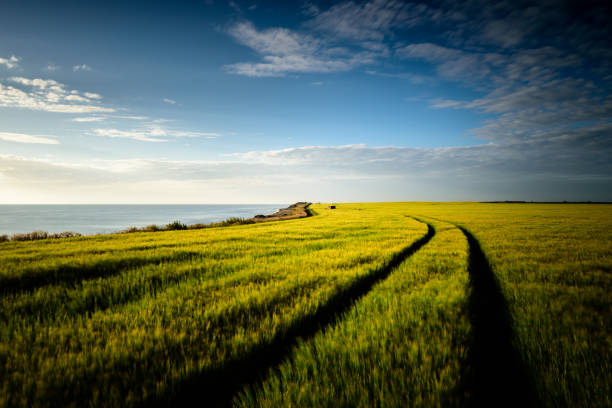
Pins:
<point x="48" y="95"/>
<point x="152" y="132"/>
<point x="24" y="138"/>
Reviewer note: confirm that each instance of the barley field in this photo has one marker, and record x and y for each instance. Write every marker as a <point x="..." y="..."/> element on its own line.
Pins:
<point x="368" y="304"/>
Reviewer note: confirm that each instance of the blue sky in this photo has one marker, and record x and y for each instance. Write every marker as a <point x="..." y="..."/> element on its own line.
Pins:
<point x="247" y="101"/>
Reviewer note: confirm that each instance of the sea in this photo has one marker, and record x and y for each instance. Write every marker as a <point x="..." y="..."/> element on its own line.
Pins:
<point x="89" y="219"/>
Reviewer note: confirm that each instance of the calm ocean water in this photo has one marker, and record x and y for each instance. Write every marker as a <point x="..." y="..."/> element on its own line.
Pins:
<point x="94" y="219"/>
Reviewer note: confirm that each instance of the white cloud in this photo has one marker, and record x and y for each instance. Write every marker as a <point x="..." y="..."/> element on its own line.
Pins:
<point x="81" y="67"/>
<point x="133" y="117"/>
<point x="48" y="95"/>
<point x="74" y="98"/>
<point x="447" y="103"/>
<point x="273" y="41"/>
<point x="92" y="95"/>
<point x="89" y="119"/>
<point x="277" y="66"/>
<point x="11" y="62"/>
<point x="170" y="101"/>
<point x="52" y="67"/>
<point x="39" y="83"/>
<point x="155" y="129"/>
<point x="345" y="36"/>
<point x="285" y="51"/>
<point x="153" y="132"/>
<point x="23" y="138"/>
<point x="142" y="136"/>
<point x="105" y="117"/>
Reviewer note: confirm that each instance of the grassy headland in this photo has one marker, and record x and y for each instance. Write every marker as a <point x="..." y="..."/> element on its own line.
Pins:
<point x="297" y="210"/>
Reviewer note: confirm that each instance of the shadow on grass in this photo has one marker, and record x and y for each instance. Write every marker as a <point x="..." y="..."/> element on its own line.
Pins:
<point x="494" y="374"/>
<point x="73" y="274"/>
<point x="217" y="387"/>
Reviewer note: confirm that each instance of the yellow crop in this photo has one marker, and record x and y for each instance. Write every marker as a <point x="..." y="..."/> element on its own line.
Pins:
<point x="367" y="304"/>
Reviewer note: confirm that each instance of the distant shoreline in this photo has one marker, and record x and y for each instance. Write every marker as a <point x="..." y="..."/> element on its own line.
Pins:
<point x="294" y="211"/>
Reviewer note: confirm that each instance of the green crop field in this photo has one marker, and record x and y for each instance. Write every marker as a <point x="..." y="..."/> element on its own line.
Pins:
<point x="386" y="304"/>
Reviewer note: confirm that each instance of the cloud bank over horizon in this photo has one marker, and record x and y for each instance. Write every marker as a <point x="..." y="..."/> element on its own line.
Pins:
<point x="525" y="170"/>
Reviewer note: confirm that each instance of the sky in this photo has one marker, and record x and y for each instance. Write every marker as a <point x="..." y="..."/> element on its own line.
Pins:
<point x="271" y="102"/>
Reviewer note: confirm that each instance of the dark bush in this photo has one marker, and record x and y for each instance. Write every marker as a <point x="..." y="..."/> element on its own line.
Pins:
<point x="176" y="225"/>
<point x="233" y="221"/>
<point x="198" y="226"/>
<point x="131" y="229"/>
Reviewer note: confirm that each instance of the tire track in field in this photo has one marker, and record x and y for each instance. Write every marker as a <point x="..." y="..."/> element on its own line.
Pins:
<point x="217" y="388"/>
<point x="494" y="375"/>
<point x="130" y="291"/>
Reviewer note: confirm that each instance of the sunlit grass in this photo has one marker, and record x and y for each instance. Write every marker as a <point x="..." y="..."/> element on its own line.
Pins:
<point x="402" y="345"/>
<point x="154" y="309"/>
<point x="553" y="262"/>
<point x="132" y="319"/>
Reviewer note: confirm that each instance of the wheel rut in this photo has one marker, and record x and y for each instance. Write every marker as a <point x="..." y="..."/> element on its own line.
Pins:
<point x="494" y="374"/>
<point x="218" y="387"/>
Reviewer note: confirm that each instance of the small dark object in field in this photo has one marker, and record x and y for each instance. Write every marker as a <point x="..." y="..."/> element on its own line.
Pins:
<point x="332" y="207"/>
